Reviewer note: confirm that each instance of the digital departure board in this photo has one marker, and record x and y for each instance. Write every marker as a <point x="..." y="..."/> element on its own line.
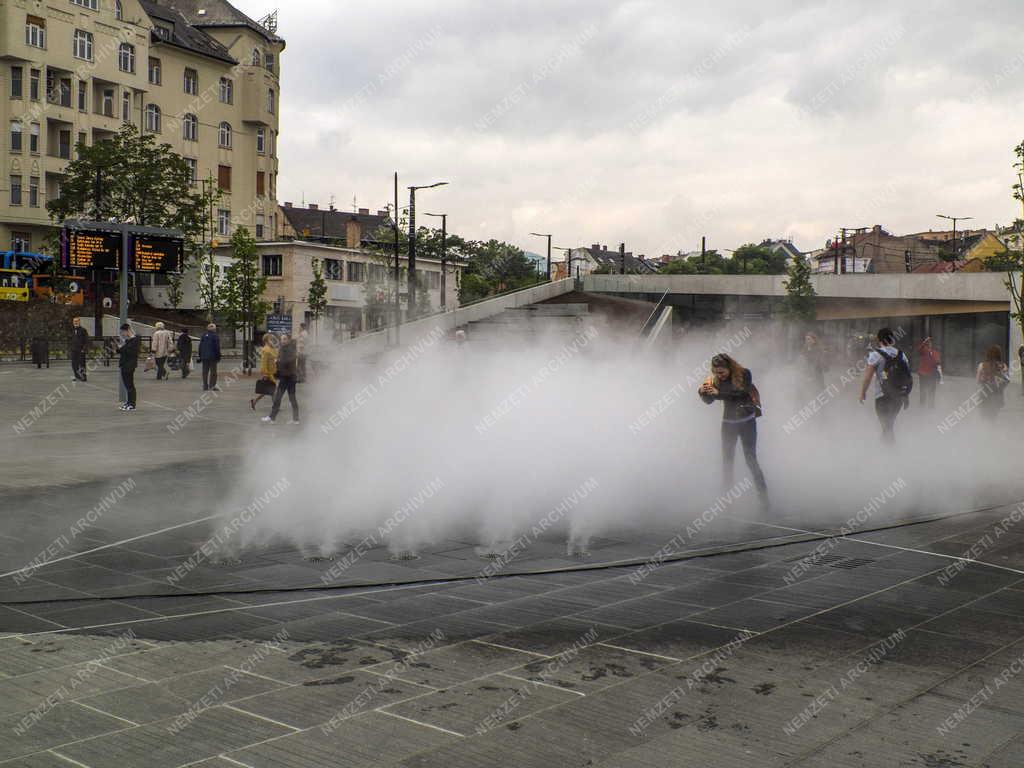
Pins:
<point x="154" y="254"/>
<point x="91" y="249"/>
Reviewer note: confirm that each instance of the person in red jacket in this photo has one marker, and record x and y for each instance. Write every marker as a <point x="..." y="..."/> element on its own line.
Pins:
<point x="929" y="371"/>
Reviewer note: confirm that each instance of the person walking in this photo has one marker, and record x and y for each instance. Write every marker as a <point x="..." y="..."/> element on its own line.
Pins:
<point x="300" y="344"/>
<point x="128" y="361"/>
<point x="929" y="371"/>
<point x="890" y="369"/>
<point x="209" y="356"/>
<point x="77" y="347"/>
<point x="287" y="373"/>
<point x="993" y="375"/>
<point x="266" y="384"/>
<point x="160" y="345"/>
<point x="184" y="345"/>
<point x="733" y="384"/>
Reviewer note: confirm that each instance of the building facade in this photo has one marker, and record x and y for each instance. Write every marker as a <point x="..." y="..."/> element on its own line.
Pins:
<point x="200" y="76"/>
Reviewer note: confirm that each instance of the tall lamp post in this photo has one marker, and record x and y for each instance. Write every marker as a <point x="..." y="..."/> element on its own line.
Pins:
<point x="538" y="234"/>
<point x="444" y="256"/>
<point x="412" y="243"/>
<point x="954" y="219"/>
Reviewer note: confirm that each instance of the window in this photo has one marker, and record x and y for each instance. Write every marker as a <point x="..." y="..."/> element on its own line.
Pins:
<point x="272" y="265"/>
<point x="261" y="185"/>
<point x="223" y="222"/>
<point x="271" y="101"/>
<point x="261" y="140"/>
<point x="15" y="135"/>
<point x="227" y="90"/>
<point x="256" y="56"/>
<point x="33" y="85"/>
<point x="17" y="75"/>
<point x="15" y="190"/>
<point x="273" y="144"/>
<point x="126" y="57"/>
<point x="259" y="225"/>
<point x="90" y="4"/>
<point x="33" y="192"/>
<point x="118" y="10"/>
<point x="154" y="71"/>
<point x="356" y="271"/>
<point x="81" y="144"/>
<point x="153" y="118"/>
<point x="224" y="135"/>
<point x="190" y="128"/>
<point x="224" y="177"/>
<point x="64" y="145"/>
<point x="33" y="139"/>
<point x="35" y="31"/>
<point x="268" y="60"/>
<point x="107" y="107"/>
<point x="58" y="91"/>
<point x="432" y="280"/>
<point x="126" y="106"/>
<point x="191" y="82"/>
<point x="21" y="242"/>
<point x="82" y="45"/>
<point x="193" y="167"/>
<point x="334" y="269"/>
<point x="83" y="99"/>
<point x="378" y="273"/>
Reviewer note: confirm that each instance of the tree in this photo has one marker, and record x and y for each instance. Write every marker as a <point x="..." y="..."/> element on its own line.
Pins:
<point x="316" y="296"/>
<point x="199" y="246"/>
<point x="243" y="289"/>
<point x="801" y="298"/>
<point x="129" y="177"/>
<point x="753" y="259"/>
<point x="175" y="289"/>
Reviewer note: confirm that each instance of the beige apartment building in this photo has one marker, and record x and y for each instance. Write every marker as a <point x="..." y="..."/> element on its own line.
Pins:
<point x="198" y="74"/>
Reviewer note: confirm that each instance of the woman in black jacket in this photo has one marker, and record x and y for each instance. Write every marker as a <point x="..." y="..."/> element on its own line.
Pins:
<point x="733" y="384"/>
<point x="287" y="377"/>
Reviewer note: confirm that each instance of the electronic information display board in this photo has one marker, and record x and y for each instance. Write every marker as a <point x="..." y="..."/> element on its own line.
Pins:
<point x="153" y="254"/>
<point x="91" y="249"/>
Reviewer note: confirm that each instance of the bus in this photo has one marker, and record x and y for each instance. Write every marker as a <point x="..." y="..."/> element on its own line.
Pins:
<point x="25" y="275"/>
<point x="14" y="284"/>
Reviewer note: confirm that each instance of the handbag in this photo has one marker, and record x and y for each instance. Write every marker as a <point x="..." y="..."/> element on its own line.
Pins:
<point x="265" y="386"/>
<point x="149" y="365"/>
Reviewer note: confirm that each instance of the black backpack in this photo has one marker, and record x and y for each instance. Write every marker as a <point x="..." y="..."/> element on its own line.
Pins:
<point x="896" y="378"/>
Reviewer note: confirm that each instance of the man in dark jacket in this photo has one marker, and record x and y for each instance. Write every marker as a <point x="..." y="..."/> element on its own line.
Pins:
<point x="209" y="355"/>
<point x="77" y="347"/>
<point x="184" y="344"/>
<point x="287" y="375"/>
<point x="128" y="361"/>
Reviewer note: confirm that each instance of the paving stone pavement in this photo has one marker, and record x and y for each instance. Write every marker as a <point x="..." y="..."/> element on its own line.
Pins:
<point x="881" y="649"/>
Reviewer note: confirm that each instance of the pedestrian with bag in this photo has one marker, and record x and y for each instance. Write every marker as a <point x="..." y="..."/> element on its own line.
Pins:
<point x="184" y="345"/>
<point x="993" y="375"/>
<point x="128" y="361"/>
<point x="209" y="356"/>
<point x="287" y="374"/>
<point x="160" y="345"/>
<point x="78" y="346"/>
<point x="929" y="371"/>
<point x="733" y="384"/>
<point x="890" y="369"/>
<point x="266" y="384"/>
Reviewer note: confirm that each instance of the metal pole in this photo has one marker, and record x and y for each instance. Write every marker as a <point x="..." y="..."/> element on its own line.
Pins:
<point x="124" y="297"/>
<point x="411" y="286"/>
<point x="444" y="260"/>
<point x="622" y="258"/>
<point x="398" y="269"/>
<point x="703" y="251"/>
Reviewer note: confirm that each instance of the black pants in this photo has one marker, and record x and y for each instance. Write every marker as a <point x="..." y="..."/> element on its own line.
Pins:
<point x="128" y="377"/>
<point x="185" y="363"/>
<point x="285" y="384"/>
<point x="746" y="433"/>
<point x="209" y="374"/>
<point x="78" y="364"/>
<point x="927" y="384"/>
<point x="887" y="409"/>
<point x="161" y="370"/>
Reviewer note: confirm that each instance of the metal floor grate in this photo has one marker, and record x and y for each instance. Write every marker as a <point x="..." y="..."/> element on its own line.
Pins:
<point x="852" y="562"/>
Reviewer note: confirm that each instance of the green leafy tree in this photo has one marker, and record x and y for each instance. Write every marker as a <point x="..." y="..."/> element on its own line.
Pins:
<point x="801" y="299"/>
<point x="711" y="263"/>
<point x="753" y="259"/>
<point x="175" y="289"/>
<point x="316" y="296"/>
<point x="243" y="289"/>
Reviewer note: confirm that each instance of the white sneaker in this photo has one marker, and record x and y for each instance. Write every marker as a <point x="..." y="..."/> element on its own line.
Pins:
<point x="267" y="419"/>
<point x="292" y="421"/>
<point x="129" y="408"/>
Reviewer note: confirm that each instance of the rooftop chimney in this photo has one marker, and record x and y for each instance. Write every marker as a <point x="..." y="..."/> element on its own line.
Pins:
<point x="287" y="205"/>
<point x="596" y="246"/>
<point x="382" y="213"/>
<point x="314" y="207"/>
<point x="364" y="211"/>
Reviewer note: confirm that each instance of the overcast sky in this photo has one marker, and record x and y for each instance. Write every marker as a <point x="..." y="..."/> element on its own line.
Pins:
<point x="655" y="122"/>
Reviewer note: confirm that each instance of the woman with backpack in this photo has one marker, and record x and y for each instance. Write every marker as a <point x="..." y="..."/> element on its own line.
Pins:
<point x="733" y="384"/>
<point x="993" y="375"/>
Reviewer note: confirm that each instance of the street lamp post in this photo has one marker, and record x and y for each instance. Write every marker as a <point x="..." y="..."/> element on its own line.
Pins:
<point x="954" y="219"/>
<point x="412" y="244"/>
<point x="538" y="234"/>
<point x="444" y="256"/>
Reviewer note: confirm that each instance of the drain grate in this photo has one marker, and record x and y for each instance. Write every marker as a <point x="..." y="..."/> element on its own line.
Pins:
<point x="812" y="559"/>
<point x="319" y="558"/>
<point x="852" y="562"/>
<point x="226" y="562"/>
<point x="405" y="555"/>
